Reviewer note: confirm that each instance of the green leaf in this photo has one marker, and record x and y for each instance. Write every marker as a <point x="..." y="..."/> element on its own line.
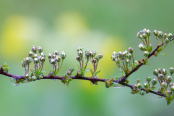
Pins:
<point x="163" y="54"/>
<point x="152" y="88"/>
<point x="66" y="76"/>
<point x="97" y="72"/>
<point x="5" y="67"/>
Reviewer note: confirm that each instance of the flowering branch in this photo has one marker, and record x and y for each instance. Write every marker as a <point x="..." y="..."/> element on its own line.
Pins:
<point x="124" y="60"/>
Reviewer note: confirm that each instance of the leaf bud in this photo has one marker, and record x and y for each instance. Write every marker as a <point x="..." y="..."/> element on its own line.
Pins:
<point x="78" y="58"/>
<point x="161" y="76"/>
<point x="154" y="81"/>
<point x="142" y="47"/>
<point x="79" y="49"/>
<point x="39" y="49"/>
<point x="165" y="35"/>
<point x="129" y="56"/>
<point x="112" y="58"/>
<point x="53" y="61"/>
<point x="159" y="70"/>
<point x="142" y="93"/>
<point x="87" y="53"/>
<point x="170" y="35"/>
<point x="160" y="34"/>
<point x="97" y="58"/>
<point x="146" y="85"/>
<point x="171" y="84"/>
<point x="172" y="88"/>
<point x="58" y="58"/>
<point x="68" y="73"/>
<point x="56" y="52"/>
<point x="30" y="54"/>
<point x="63" y="55"/>
<point x="148" y="79"/>
<point x="35" y="56"/>
<point x="164" y="71"/>
<point x="137" y="80"/>
<point x="167" y="40"/>
<point x="80" y="53"/>
<point x="94" y="60"/>
<point x="36" y="60"/>
<point x="155" y="32"/>
<point x="130" y="49"/>
<point x="169" y="79"/>
<point x="27" y="76"/>
<point x="148" y="32"/>
<point x="34" y="49"/>
<point x="42" y="54"/>
<point x="155" y="72"/>
<point x="146" y="53"/>
<point x="49" y="55"/>
<point x="42" y="59"/>
<point x="135" y="86"/>
<point x="100" y="55"/>
<point x="171" y="70"/>
<point x="144" y="35"/>
<point x="34" y="78"/>
<point x="93" y="53"/>
<point x="163" y="84"/>
<point x="139" y="86"/>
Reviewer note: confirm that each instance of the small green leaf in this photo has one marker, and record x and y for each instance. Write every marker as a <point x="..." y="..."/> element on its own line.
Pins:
<point x="5" y="67"/>
<point x="163" y="54"/>
<point x="66" y="76"/>
<point x="152" y="88"/>
<point x="97" y="72"/>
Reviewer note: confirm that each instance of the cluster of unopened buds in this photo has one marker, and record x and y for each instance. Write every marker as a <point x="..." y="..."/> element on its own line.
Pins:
<point x="166" y="86"/>
<point x="124" y="60"/>
<point x="56" y="60"/>
<point x="37" y="56"/>
<point x="89" y="56"/>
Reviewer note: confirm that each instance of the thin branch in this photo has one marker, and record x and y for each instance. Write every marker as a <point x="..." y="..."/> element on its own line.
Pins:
<point x="77" y="77"/>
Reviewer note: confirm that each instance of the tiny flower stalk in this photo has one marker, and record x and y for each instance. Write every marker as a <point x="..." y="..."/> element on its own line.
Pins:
<point x="56" y="60"/>
<point x="89" y="56"/>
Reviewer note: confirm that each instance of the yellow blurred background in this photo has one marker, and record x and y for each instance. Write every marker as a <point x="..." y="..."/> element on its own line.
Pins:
<point x="63" y="25"/>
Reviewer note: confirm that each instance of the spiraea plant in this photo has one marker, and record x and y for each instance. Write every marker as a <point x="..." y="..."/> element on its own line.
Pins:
<point x="125" y="61"/>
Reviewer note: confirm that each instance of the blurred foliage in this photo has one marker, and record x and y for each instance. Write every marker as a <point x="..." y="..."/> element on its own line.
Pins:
<point x="63" y="25"/>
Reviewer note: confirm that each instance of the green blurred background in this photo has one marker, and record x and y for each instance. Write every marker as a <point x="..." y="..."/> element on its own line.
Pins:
<point x="63" y="25"/>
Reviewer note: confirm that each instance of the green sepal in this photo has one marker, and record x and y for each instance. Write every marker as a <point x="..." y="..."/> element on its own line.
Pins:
<point x="152" y="88"/>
